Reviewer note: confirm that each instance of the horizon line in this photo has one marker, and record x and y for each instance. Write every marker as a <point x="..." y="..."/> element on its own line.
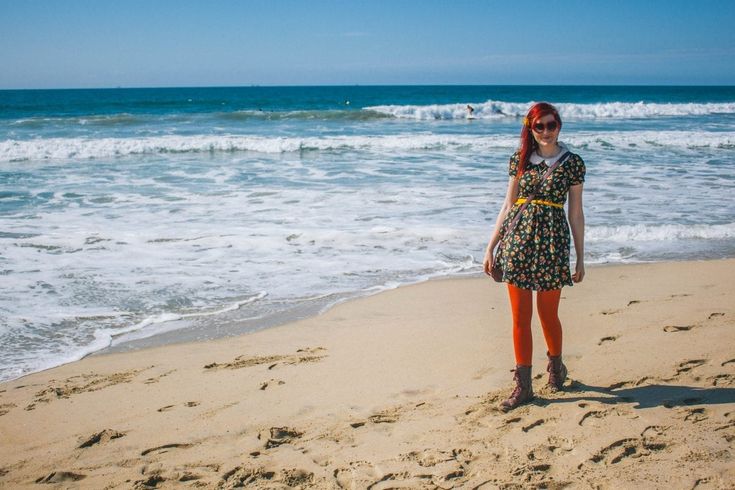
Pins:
<point x="144" y="87"/>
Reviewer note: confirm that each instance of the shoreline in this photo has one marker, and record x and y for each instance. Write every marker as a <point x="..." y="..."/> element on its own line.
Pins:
<point x="193" y="334"/>
<point x="400" y="388"/>
<point x="248" y="326"/>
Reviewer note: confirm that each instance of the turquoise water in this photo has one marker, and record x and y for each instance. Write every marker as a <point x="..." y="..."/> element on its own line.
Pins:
<point x="203" y="212"/>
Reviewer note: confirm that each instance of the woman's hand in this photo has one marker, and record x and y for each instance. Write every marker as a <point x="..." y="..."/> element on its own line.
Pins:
<point x="487" y="263"/>
<point x="578" y="272"/>
<point x="576" y="223"/>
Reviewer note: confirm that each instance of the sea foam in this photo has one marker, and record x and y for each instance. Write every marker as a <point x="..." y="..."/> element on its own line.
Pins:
<point x="663" y="232"/>
<point x="96" y="148"/>
<point x="493" y="109"/>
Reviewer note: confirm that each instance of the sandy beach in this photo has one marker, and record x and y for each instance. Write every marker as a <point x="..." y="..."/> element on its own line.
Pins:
<point x="400" y="390"/>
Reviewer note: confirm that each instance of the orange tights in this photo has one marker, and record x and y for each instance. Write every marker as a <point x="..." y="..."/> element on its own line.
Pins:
<point x="547" y="304"/>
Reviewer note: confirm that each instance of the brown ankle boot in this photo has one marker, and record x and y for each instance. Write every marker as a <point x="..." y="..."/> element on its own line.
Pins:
<point x="523" y="392"/>
<point x="557" y="372"/>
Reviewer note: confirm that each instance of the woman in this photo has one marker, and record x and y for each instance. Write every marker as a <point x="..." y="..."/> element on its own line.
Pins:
<point x="535" y="253"/>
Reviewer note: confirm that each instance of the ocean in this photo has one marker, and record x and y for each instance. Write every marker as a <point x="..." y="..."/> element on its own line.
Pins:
<point x="196" y="213"/>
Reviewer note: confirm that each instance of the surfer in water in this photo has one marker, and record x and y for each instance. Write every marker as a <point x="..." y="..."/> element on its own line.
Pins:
<point x="470" y="112"/>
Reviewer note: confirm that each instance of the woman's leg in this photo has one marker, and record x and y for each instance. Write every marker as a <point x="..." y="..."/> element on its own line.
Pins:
<point x="521" y="305"/>
<point x="547" y="304"/>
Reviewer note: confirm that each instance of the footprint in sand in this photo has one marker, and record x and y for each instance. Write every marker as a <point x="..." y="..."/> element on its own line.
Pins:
<point x="556" y="444"/>
<point x="156" y="379"/>
<point x="187" y="404"/>
<point x="443" y="465"/>
<point x="189" y="476"/>
<point x="83" y="383"/>
<point x="359" y="474"/>
<point x="267" y="478"/>
<point x="730" y="422"/>
<point x="61" y="477"/>
<point x="271" y="382"/>
<point x="385" y="417"/>
<point x="402" y="479"/>
<point x="530" y="426"/>
<point x="695" y="415"/>
<point x="312" y="354"/>
<point x="165" y="448"/>
<point x="611" y="338"/>
<point x="688" y="365"/>
<point x="428" y="457"/>
<point x="653" y="431"/>
<point x="153" y="481"/>
<point x="212" y="412"/>
<point x="240" y="477"/>
<point x="628" y="384"/>
<point x="625" y="448"/>
<point x="531" y="473"/>
<point x="597" y="414"/>
<point x="722" y="380"/>
<point x="275" y="436"/>
<point x="5" y="408"/>
<point x="678" y="328"/>
<point x="101" y="438"/>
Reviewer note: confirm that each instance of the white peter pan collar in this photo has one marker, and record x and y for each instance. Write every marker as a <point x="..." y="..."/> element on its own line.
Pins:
<point x="536" y="159"/>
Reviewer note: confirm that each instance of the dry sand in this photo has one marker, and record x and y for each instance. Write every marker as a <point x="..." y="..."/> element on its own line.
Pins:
<point x="400" y="390"/>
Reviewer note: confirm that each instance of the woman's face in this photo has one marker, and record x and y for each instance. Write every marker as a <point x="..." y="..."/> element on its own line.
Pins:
<point x="543" y="133"/>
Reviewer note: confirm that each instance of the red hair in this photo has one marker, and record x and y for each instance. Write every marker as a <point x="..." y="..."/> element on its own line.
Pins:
<point x="528" y="143"/>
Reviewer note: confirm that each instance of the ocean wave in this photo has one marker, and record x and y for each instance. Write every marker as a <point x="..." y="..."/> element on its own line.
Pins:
<point x="322" y="115"/>
<point x="667" y="232"/>
<point x="120" y="119"/>
<point x="89" y="148"/>
<point x="493" y="109"/>
<point x="93" y="148"/>
<point x="489" y="110"/>
<point x="126" y="119"/>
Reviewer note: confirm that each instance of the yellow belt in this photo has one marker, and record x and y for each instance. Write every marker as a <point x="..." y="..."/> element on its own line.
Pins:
<point x="539" y="201"/>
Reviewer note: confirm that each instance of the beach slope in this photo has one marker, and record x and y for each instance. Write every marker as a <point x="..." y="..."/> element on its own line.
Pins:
<point x="400" y="390"/>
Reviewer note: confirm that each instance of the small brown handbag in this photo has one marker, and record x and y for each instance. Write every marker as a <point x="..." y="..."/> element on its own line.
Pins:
<point x="497" y="272"/>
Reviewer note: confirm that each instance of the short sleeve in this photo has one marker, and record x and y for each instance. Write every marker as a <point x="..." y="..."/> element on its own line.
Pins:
<point x="576" y="170"/>
<point x="513" y="166"/>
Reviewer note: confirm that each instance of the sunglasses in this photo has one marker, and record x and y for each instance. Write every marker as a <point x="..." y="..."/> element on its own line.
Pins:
<point x="539" y="127"/>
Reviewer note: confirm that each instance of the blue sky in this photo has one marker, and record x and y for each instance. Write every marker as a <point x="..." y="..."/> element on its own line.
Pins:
<point x="153" y="43"/>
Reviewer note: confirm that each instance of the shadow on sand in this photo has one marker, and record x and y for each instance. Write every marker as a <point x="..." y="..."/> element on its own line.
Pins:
<point x="647" y="396"/>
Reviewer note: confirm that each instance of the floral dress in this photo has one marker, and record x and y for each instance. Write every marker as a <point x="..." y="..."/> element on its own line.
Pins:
<point x="535" y="255"/>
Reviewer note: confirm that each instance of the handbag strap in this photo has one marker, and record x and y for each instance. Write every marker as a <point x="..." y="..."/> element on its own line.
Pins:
<point x="517" y="217"/>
